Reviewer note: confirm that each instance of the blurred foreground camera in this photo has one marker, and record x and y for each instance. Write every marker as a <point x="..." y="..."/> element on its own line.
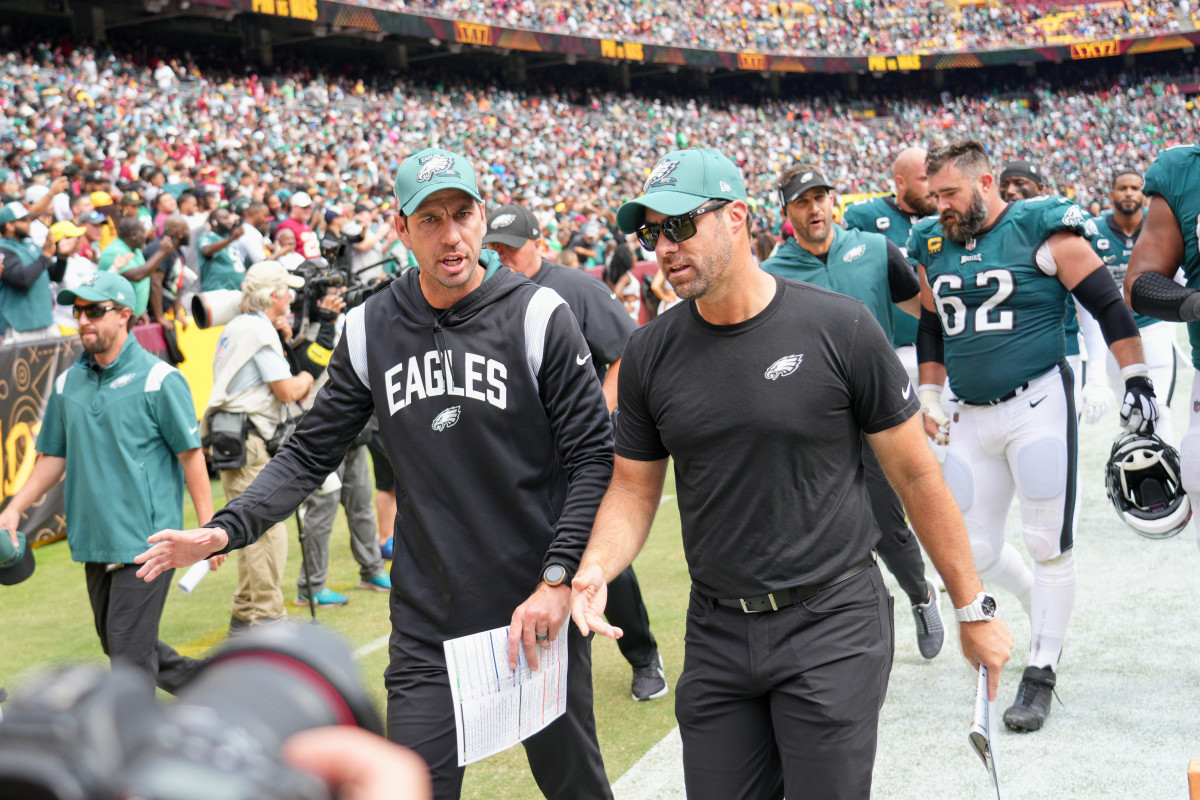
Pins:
<point x="83" y="733"/>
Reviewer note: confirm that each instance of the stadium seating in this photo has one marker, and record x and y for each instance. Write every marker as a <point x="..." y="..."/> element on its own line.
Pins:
<point x="820" y="27"/>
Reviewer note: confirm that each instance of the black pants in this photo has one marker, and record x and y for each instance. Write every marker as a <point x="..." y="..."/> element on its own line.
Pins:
<point x="626" y="610"/>
<point x="897" y="546"/>
<point x="564" y="757"/>
<point x="787" y="701"/>
<point x="127" y="611"/>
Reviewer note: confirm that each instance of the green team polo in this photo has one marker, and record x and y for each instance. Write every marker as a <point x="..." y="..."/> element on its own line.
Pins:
<point x="882" y="215"/>
<point x="120" y="429"/>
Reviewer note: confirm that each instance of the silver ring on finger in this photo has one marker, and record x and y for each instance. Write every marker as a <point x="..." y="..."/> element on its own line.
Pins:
<point x="541" y="637"/>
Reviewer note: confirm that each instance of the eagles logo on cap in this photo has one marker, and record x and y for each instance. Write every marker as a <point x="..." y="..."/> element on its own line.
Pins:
<point x="436" y="164"/>
<point x="504" y="220"/>
<point x="661" y="175"/>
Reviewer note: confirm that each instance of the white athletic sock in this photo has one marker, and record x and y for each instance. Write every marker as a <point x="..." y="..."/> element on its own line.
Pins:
<point x="1010" y="574"/>
<point x="1053" y="602"/>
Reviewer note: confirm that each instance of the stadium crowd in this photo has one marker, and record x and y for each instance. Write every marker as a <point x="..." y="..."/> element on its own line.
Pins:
<point x="149" y="137"/>
<point x="820" y="27"/>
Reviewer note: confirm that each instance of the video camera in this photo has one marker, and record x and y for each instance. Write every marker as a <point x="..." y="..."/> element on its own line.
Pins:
<point x="335" y="248"/>
<point x="84" y="733"/>
<point x="320" y="276"/>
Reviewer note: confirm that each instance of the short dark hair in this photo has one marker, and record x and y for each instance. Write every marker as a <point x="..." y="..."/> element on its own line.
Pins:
<point x="967" y="154"/>
<point x="129" y="226"/>
<point x="1122" y="171"/>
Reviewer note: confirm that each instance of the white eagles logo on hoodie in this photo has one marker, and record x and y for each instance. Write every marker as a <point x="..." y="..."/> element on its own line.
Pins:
<point x="447" y="418"/>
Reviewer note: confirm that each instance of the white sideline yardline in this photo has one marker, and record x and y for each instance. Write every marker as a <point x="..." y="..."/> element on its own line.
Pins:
<point x="658" y="775"/>
<point x="371" y="647"/>
<point x="666" y="498"/>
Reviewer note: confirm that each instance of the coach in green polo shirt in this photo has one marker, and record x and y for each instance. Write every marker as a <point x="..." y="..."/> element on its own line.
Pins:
<point x="121" y="424"/>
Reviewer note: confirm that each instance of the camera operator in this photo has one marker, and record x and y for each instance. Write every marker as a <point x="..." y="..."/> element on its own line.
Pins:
<point x="257" y="379"/>
<point x="354" y="494"/>
<point x="120" y="423"/>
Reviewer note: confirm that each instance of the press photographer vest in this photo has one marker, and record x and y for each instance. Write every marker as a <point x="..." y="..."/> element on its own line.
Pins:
<point x="241" y="339"/>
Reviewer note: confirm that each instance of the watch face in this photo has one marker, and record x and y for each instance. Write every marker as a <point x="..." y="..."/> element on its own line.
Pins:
<point x="554" y="574"/>
<point x="988" y="606"/>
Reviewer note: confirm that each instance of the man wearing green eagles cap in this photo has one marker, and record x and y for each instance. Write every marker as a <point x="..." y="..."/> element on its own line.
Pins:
<point x="121" y="424"/>
<point x="763" y="391"/>
<point x="491" y="414"/>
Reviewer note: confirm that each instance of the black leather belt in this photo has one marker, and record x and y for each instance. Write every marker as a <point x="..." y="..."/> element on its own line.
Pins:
<point x="999" y="400"/>
<point x="793" y="596"/>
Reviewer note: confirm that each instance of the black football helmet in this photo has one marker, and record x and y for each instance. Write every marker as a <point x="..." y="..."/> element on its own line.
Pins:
<point x="1145" y="488"/>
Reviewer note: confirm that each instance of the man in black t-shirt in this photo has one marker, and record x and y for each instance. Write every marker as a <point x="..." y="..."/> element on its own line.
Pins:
<point x="514" y="234"/>
<point x="762" y="391"/>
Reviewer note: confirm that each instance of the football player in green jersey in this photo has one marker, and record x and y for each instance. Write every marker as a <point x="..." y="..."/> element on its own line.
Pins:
<point x="1116" y="236"/>
<point x="994" y="279"/>
<point x="870" y="268"/>
<point x="894" y="216"/>
<point x="1021" y="180"/>
<point x="1168" y="241"/>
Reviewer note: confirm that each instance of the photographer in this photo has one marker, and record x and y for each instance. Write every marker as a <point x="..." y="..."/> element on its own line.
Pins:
<point x="246" y="419"/>
<point x="354" y="494"/>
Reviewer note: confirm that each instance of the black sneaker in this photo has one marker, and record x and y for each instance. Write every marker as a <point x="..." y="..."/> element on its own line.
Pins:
<point x="650" y="682"/>
<point x="930" y="633"/>
<point x="1032" y="705"/>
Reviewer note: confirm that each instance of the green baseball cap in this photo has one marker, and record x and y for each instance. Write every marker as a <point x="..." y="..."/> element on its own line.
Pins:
<point x="429" y="171"/>
<point x="11" y="212"/>
<point x="100" y="287"/>
<point x="682" y="181"/>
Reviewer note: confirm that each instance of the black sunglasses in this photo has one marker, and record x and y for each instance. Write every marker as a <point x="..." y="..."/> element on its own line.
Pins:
<point x="92" y="312"/>
<point x="676" y="229"/>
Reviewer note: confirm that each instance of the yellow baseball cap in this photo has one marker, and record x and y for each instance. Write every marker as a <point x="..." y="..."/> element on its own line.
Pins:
<point x="65" y="230"/>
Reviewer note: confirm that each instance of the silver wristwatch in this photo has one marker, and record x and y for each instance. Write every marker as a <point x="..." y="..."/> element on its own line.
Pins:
<point x="981" y="609"/>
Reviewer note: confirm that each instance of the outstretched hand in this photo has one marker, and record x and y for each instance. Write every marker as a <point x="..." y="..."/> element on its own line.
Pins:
<point x="589" y="596"/>
<point x="176" y="549"/>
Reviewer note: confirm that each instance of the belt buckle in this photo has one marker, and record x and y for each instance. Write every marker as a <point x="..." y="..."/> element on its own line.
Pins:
<point x="747" y="610"/>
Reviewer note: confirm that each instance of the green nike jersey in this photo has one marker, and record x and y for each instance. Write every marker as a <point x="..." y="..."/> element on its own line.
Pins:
<point x="856" y="266"/>
<point x="1175" y="177"/>
<point x="1002" y="316"/>
<point x="1114" y="249"/>
<point x="882" y="215"/>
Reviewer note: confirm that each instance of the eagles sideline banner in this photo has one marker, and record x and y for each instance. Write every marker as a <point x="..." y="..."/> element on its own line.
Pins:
<point x="27" y="374"/>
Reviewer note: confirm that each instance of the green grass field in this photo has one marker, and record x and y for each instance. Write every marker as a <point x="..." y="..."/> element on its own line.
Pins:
<point x="49" y="621"/>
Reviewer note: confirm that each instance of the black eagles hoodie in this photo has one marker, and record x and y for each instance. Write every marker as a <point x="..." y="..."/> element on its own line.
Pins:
<point x="493" y="419"/>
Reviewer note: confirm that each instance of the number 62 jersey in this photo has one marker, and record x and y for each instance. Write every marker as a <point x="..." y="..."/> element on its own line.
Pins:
<point x="1001" y="314"/>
